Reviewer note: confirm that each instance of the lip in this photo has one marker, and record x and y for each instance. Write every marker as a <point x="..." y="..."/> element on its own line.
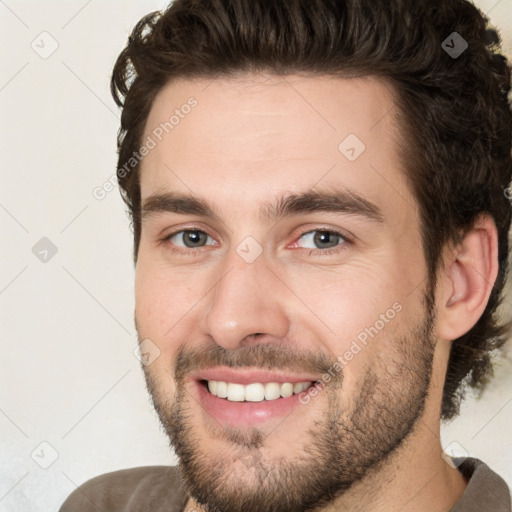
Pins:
<point x="246" y="377"/>
<point x="245" y="414"/>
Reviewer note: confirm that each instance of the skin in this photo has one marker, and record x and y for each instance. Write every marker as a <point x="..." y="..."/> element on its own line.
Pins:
<point x="251" y="140"/>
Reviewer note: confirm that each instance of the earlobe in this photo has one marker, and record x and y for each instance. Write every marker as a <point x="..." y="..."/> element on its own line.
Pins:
<point x="468" y="279"/>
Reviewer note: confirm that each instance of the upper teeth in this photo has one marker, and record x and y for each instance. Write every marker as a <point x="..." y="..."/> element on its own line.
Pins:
<point x="255" y="392"/>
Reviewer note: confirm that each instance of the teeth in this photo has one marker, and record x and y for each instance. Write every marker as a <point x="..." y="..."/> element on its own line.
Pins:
<point x="255" y="392"/>
<point x="300" y="387"/>
<point x="272" y="391"/>
<point x="212" y="387"/>
<point x="286" y="390"/>
<point x="222" y="389"/>
<point x="236" y="392"/>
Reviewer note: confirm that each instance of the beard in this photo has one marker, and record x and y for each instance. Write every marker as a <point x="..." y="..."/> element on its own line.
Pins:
<point x="337" y="452"/>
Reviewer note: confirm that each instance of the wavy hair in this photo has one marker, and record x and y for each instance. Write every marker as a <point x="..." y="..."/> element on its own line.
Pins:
<point x="454" y="113"/>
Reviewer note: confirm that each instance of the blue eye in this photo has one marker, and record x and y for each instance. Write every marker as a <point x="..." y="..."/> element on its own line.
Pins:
<point x="317" y="241"/>
<point x="321" y="239"/>
<point x="190" y="238"/>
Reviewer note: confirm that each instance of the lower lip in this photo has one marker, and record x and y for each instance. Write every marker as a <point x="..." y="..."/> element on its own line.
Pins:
<point x="245" y="414"/>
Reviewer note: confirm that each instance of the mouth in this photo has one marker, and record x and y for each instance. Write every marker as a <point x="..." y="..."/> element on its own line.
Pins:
<point x="254" y="392"/>
<point x="246" y="398"/>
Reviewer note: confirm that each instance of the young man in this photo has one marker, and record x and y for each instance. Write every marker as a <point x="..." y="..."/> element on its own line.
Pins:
<point x="318" y="192"/>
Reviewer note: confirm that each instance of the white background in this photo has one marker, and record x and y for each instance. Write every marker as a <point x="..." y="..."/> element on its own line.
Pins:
<point x="68" y="374"/>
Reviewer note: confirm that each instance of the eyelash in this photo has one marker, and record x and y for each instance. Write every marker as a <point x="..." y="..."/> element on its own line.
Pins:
<point x="310" y="252"/>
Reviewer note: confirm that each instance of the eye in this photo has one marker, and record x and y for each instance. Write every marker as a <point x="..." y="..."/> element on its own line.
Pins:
<point x="190" y="238"/>
<point x="321" y="239"/>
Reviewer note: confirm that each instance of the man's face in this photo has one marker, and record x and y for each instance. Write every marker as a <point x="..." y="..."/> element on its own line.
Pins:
<point x="278" y="251"/>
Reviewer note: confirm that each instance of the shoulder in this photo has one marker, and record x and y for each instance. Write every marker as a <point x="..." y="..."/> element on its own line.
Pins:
<point x="152" y="488"/>
<point x="485" y="490"/>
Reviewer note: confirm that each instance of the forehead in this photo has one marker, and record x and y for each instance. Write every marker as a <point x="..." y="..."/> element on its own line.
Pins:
<point x="266" y="134"/>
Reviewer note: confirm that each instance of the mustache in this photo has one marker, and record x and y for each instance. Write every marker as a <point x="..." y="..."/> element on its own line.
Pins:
<point x="268" y="356"/>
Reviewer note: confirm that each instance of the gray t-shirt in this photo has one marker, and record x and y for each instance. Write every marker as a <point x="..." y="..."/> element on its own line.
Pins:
<point x="159" y="489"/>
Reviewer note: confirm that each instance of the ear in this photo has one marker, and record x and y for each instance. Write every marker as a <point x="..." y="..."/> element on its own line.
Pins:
<point x="466" y="281"/>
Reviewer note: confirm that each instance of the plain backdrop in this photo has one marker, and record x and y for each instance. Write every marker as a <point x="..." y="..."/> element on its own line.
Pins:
<point x="73" y="402"/>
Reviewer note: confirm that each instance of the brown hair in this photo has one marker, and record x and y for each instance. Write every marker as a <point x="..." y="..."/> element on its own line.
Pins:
<point x="453" y="110"/>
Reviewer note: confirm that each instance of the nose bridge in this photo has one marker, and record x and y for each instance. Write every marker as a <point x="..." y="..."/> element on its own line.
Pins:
<point x="244" y="301"/>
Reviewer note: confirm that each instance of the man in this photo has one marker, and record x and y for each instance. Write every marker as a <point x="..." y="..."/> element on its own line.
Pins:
<point x="318" y="192"/>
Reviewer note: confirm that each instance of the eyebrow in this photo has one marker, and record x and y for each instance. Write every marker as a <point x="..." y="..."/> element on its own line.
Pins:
<point x="335" y="201"/>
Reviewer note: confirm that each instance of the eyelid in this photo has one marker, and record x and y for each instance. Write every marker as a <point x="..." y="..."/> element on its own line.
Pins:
<point x="329" y="229"/>
<point x="166" y="240"/>
<point x="344" y="244"/>
<point x="182" y="231"/>
<point x="347" y="239"/>
<point x="187" y="227"/>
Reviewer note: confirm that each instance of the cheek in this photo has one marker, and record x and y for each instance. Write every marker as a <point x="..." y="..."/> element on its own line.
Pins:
<point x="346" y="299"/>
<point x="164" y="313"/>
<point x="358" y="310"/>
<point x="165" y="303"/>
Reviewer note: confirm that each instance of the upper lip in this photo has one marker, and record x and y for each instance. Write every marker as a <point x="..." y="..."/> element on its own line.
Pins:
<point x="248" y="376"/>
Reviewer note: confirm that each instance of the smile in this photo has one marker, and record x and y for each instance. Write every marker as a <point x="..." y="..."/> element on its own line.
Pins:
<point x="255" y="392"/>
<point x="248" y="397"/>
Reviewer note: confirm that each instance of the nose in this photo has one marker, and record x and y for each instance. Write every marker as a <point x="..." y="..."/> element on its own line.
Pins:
<point x="246" y="304"/>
